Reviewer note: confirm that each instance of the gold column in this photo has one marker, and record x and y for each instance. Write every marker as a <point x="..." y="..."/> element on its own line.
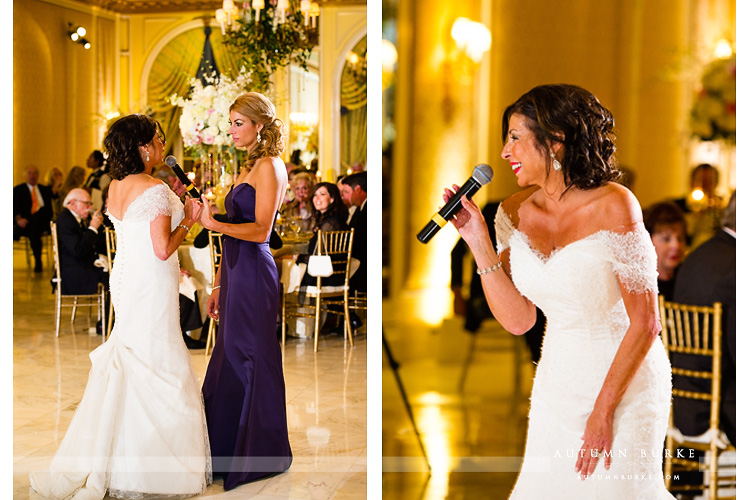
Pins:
<point x="434" y="148"/>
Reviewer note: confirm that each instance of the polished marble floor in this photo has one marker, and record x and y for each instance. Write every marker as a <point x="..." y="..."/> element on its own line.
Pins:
<point x="326" y="401"/>
<point x="469" y="395"/>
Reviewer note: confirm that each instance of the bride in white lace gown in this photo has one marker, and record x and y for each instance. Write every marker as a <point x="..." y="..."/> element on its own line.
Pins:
<point x="575" y="245"/>
<point x="140" y="429"/>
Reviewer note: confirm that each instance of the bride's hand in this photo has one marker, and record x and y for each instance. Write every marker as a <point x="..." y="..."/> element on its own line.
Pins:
<point x="597" y="442"/>
<point x="207" y="218"/>
<point x="469" y="221"/>
<point x="193" y="210"/>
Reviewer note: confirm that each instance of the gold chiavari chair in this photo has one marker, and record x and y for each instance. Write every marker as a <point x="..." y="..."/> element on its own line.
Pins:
<point x="46" y="248"/>
<point x="337" y="245"/>
<point x="73" y="301"/>
<point x="216" y="248"/>
<point x="358" y="302"/>
<point x="694" y="332"/>
<point x="111" y="239"/>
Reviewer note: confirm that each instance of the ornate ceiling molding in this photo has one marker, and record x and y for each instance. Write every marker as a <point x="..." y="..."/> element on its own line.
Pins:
<point x="159" y="6"/>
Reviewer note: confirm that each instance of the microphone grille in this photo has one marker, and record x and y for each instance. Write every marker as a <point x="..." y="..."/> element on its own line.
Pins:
<point x="482" y="174"/>
<point x="171" y="161"/>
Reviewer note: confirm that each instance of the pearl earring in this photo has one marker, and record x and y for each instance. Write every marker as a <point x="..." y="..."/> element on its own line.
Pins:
<point x="555" y="164"/>
<point x="147" y="157"/>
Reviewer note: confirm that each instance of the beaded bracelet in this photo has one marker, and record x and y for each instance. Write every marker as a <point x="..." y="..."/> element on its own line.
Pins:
<point x="489" y="269"/>
<point x="184" y="226"/>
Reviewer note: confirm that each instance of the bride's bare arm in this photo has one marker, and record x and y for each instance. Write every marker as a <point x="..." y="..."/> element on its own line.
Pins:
<point x="641" y="303"/>
<point x="515" y="312"/>
<point x="163" y="239"/>
<point x="270" y="182"/>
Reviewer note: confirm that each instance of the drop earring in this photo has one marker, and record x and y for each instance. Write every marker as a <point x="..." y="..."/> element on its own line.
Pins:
<point x="555" y="164"/>
<point x="258" y="137"/>
<point x="147" y="157"/>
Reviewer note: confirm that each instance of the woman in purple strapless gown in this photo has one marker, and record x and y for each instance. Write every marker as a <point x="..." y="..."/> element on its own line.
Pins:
<point x="244" y="390"/>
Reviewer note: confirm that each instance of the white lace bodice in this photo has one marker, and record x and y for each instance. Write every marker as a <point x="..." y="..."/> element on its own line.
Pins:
<point x="579" y="284"/>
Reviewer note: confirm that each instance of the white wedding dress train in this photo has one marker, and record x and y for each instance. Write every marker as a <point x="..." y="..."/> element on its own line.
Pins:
<point x="140" y="429"/>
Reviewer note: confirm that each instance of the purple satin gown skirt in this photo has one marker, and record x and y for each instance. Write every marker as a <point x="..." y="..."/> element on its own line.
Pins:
<point x="244" y="391"/>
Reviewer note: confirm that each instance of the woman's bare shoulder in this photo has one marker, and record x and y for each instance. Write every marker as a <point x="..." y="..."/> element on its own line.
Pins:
<point x="271" y="165"/>
<point x="615" y="206"/>
<point x="512" y="204"/>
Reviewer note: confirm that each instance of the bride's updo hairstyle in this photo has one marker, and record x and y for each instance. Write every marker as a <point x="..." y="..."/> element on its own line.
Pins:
<point x="572" y="116"/>
<point x="260" y="110"/>
<point x="124" y="138"/>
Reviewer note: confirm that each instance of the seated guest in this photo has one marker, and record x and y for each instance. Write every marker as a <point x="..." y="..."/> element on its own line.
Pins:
<point x="329" y="214"/>
<point x="355" y="189"/>
<point x="347" y="200"/>
<point x="665" y="222"/>
<point x="32" y="212"/>
<point x="98" y="179"/>
<point x="707" y="276"/>
<point x="190" y="313"/>
<point x="54" y="182"/>
<point x="75" y="179"/>
<point x="300" y="207"/>
<point x="77" y="238"/>
<point x="702" y="205"/>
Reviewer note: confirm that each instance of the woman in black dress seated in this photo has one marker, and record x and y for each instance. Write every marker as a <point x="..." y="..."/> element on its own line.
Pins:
<point x="329" y="214"/>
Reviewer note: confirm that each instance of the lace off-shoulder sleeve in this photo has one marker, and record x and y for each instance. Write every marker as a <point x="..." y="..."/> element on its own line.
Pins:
<point x="503" y="229"/>
<point x="634" y="259"/>
<point x="156" y="200"/>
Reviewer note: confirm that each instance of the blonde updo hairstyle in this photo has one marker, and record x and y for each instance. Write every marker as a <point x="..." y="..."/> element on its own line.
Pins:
<point x="260" y="110"/>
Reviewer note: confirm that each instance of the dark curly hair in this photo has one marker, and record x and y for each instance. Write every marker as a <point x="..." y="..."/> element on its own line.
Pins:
<point x="123" y="139"/>
<point x="336" y="208"/>
<point x="572" y="116"/>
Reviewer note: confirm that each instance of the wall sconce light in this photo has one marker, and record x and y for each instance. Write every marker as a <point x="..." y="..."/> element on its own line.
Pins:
<point x="471" y="37"/>
<point x="723" y="49"/>
<point x="77" y="35"/>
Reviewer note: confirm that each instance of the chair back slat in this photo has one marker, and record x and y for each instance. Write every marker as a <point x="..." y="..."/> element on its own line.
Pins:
<point x="216" y="248"/>
<point x="55" y="252"/>
<point x="110" y="237"/>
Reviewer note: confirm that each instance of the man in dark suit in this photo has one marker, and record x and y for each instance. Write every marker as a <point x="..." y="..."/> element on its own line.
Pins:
<point x="355" y="190"/>
<point x="709" y="275"/>
<point x="77" y="238"/>
<point x="32" y="212"/>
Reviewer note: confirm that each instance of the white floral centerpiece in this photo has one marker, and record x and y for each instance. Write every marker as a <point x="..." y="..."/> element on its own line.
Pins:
<point x="714" y="113"/>
<point x="205" y="113"/>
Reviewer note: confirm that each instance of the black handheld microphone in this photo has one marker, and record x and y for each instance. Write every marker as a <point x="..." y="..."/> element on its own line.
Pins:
<point x="171" y="162"/>
<point x="481" y="175"/>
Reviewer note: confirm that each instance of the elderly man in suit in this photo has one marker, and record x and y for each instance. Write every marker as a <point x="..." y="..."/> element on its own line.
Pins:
<point x="77" y="237"/>
<point x="32" y="212"/>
